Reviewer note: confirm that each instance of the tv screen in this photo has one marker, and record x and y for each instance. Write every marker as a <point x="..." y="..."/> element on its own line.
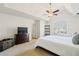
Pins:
<point x="22" y="30"/>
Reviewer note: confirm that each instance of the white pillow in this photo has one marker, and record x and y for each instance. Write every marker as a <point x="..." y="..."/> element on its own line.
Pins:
<point x="63" y="34"/>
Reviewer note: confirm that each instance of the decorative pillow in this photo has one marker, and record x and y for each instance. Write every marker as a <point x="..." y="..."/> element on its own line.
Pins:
<point x="75" y="39"/>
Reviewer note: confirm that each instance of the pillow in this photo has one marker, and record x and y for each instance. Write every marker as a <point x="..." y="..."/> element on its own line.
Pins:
<point x="75" y="39"/>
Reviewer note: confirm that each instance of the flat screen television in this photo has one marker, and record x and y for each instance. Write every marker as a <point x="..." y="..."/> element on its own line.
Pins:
<point x="22" y="30"/>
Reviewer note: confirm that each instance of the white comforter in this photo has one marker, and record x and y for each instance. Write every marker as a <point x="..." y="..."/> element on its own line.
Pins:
<point x="61" y="45"/>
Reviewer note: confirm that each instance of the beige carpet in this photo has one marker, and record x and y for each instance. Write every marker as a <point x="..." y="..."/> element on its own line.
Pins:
<point x="34" y="51"/>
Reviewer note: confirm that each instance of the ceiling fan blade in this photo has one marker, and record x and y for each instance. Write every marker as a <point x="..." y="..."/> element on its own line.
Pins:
<point x="55" y="14"/>
<point x="56" y="11"/>
<point x="47" y="11"/>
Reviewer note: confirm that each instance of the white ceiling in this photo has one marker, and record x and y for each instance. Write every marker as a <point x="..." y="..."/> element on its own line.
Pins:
<point x="35" y="9"/>
<point x="38" y="9"/>
<point x="73" y="8"/>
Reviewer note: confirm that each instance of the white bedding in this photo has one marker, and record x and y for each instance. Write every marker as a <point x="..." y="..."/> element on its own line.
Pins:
<point x="61" y="45"/>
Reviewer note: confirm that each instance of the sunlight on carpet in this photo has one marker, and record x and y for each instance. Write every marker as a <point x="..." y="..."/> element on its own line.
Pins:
<point x="35" y="52"/>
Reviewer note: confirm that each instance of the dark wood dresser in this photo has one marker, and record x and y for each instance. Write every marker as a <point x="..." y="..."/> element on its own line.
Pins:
<point x="21" y="38"/>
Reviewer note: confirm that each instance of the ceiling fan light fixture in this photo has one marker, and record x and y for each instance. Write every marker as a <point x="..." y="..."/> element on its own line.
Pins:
<point x="50" y="15"/>
<point x="50" y="12"/>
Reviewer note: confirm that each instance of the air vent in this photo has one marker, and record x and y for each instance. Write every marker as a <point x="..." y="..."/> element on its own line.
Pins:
<point x="77" y="13"/>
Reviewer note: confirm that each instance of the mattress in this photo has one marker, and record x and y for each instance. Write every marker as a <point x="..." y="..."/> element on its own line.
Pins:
<point x="61" y="45"/>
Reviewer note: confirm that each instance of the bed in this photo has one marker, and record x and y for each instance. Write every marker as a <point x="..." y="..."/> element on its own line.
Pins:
<point x="61" y="45"/>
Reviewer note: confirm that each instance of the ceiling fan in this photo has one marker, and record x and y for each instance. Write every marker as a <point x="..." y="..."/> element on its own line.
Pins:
<point x="50" y="12"/>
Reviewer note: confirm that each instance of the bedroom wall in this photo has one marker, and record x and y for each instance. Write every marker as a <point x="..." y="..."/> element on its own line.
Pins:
<point x="71" y="20"/>
<point x="9" y="24"/>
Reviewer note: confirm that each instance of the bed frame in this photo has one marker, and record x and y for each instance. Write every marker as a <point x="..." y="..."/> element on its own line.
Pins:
<point x="52" y="54"/>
